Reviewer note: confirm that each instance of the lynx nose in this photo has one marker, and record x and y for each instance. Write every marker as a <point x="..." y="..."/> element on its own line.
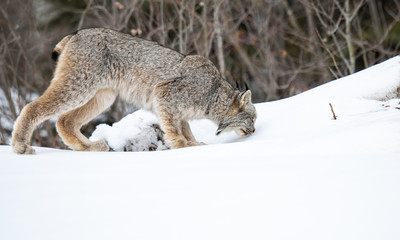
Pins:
<point x="251" y="130"/>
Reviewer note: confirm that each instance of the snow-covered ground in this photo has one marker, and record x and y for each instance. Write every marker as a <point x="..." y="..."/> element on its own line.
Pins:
<point x="301" y="175"/>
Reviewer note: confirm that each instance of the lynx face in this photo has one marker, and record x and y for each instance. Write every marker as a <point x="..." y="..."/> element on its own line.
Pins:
<point x="243" y="121"/>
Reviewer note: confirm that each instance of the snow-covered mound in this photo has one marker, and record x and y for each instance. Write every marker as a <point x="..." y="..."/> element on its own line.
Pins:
<point x="301" y="175"/>
<point x="139" y="131"/>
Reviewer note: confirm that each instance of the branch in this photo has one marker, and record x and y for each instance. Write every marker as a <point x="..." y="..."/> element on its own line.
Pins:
<point x="220" y="44"/>
<point x="334" y="115"/>
<point x="329" y="52"/>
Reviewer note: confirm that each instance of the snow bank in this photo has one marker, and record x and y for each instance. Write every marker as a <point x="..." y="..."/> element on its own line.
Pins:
<point x="139" y="131"/>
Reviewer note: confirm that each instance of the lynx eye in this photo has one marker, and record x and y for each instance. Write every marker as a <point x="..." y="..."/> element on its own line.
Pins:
<point x="253" y="119"/>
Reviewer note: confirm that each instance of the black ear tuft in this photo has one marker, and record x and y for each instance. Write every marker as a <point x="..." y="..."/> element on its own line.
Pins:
<point x="247" y="86"/>
<point x="54" y="55"/>
<point x="237" y="85"/>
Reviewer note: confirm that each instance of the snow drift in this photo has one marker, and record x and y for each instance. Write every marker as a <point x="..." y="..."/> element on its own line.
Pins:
<point x="301" y="175"/>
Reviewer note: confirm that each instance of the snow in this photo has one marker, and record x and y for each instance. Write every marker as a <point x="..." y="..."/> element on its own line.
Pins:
<point x="301" y="175"/>
<point x="139" y="131"/>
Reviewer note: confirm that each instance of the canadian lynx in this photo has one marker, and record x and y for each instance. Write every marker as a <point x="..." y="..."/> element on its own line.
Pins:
<point x="95" y="65"/>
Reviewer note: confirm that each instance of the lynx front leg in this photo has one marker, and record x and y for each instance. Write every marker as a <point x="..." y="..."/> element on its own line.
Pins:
<point x="173" y="131"/>
<point x="69" y="124"/>
<point x="187" y="133"/>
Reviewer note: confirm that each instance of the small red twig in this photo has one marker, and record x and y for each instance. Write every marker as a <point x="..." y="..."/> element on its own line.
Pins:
<point x="333" y="112"/>
<point x="55" y="141"/>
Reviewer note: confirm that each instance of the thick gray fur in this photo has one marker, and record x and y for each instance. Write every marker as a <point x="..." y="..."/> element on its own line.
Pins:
<point x="95" y="65"/>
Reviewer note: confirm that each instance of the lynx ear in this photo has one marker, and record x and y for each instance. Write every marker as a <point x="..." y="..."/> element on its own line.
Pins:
<point x="245" y="98"/>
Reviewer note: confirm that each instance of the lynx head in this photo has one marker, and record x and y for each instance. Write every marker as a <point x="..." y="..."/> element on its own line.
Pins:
<point x="242" y="116"/>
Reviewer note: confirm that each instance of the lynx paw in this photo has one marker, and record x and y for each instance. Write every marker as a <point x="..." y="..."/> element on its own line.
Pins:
<point x="191" y="143"/>
<point x="22" y="148"/>
<point x="175" y="143"/>
<point x="99" y="146"/>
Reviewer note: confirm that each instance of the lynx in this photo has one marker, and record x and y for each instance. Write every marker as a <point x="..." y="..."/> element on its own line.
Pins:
<point x="96" y="65"/>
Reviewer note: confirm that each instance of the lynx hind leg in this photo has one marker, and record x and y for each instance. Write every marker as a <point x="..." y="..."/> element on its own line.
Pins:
<point x="70" y="123"/>
<point x="56" y="100"/>
<point x="187" y="133"/>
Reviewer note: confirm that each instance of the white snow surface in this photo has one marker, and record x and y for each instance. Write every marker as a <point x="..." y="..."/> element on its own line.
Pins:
<point x="301" y="175"/>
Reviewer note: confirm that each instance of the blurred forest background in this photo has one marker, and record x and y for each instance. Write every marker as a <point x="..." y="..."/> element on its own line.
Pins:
<point x="279" y="47"/>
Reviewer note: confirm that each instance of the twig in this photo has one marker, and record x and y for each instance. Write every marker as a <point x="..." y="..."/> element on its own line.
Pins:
<point x="87" y="9"/>
<point x="333" y="112"/>
<point x="330" y="53"/>
<point x="55" y="141"/>
<point x="219" y="43"/>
